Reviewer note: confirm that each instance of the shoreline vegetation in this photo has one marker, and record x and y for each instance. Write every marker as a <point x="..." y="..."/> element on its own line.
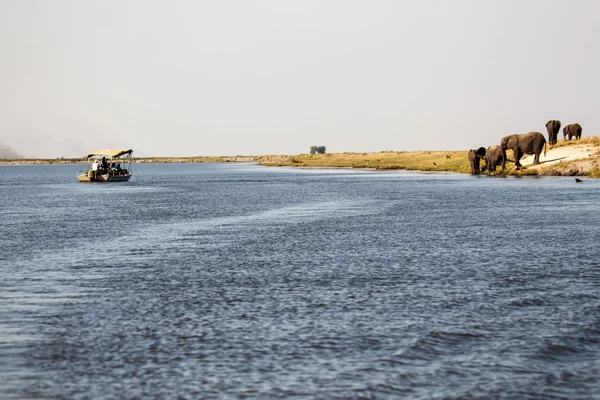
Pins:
<point x="566" y="158"/>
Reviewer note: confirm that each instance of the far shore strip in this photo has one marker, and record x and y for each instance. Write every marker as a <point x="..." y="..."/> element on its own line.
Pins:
<point x="567" y="158"/>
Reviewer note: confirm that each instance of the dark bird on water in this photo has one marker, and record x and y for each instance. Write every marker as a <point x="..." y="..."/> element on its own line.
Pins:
<point x="578" y="180"/>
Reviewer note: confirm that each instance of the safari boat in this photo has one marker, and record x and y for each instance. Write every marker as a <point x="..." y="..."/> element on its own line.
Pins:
<point x="109" y="165"/>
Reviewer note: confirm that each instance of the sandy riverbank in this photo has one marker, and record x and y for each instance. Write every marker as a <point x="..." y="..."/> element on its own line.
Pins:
<point x="569" y="159"/>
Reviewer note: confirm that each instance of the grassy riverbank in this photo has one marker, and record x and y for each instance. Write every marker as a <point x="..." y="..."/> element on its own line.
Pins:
<point x="581" y="158"/>
<point x="410" y="160"/>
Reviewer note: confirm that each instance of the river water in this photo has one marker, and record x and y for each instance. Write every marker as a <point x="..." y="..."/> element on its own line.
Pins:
<point x="240" y="281"/>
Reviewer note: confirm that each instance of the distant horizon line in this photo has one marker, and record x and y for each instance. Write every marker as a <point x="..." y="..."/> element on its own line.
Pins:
<point x="21" y="157"/>
<point x="25" y="158"/>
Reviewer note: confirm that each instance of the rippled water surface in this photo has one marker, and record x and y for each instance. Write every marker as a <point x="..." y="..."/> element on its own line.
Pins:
<point x="240" y="281"/>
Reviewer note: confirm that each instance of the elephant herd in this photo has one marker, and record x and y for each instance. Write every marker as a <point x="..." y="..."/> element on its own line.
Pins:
<point x="570" y="131"/>
<point x="520" y="144"/>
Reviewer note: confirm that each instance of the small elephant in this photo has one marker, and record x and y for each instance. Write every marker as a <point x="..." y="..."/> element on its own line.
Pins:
<point x="525" y="143"/>
<point x="494" y="156"/>
<point x="572" y="130"/>
<point x="475" y="156"/>
<point x="553" y="128"/>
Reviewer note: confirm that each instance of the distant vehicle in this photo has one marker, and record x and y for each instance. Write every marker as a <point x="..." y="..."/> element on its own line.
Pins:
<point x="109" y="165"/>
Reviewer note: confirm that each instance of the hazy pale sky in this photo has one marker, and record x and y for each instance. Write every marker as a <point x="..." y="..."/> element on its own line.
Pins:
<point x="227" y="77"/>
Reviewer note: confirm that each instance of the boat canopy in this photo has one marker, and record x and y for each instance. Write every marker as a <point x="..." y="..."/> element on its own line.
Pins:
<point x="110" y="153"/>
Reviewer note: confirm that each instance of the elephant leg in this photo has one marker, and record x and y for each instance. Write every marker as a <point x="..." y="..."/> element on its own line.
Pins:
<point x="473" y="171"/>
<point x="536" y="158"/>
<point x="517" y="154"/>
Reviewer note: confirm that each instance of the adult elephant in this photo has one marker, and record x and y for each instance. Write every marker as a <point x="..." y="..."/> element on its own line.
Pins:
<point x="475" y="156"/>
<point x="494" y="156"/>
<point x="525" y="143"/>
<point x="553" y="128"/>
<point x="572" y="130"/>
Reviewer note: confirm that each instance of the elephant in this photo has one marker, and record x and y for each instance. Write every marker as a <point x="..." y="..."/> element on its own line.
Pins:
<point x="553" y="128"/>
<point x="525" y="143"/>
<point x="572" y="130"/>
<point x="475" y="156"/>
<point x="494" y="156"/>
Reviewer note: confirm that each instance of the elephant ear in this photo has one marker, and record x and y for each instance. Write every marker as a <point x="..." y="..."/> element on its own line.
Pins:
<point x="481" y="152"/>
<point x="548" y="123"/>
<point x="511" y="141"/>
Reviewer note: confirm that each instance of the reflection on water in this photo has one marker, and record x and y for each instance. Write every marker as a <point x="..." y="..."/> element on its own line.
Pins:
<point x="234" y="280"/>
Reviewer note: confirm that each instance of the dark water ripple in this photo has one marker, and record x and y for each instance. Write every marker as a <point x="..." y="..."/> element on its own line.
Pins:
<point x="236" y="281"/>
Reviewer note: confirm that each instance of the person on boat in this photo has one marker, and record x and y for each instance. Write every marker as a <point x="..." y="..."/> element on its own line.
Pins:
<point x="104" y="163"/>
<point x="95" y="167"/>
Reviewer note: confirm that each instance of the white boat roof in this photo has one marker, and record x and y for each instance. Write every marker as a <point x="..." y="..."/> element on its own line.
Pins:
<point x="110" y="153"/>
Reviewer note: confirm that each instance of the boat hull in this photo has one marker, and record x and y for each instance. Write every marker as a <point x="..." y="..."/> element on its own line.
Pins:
<point x="101" y="178"/>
